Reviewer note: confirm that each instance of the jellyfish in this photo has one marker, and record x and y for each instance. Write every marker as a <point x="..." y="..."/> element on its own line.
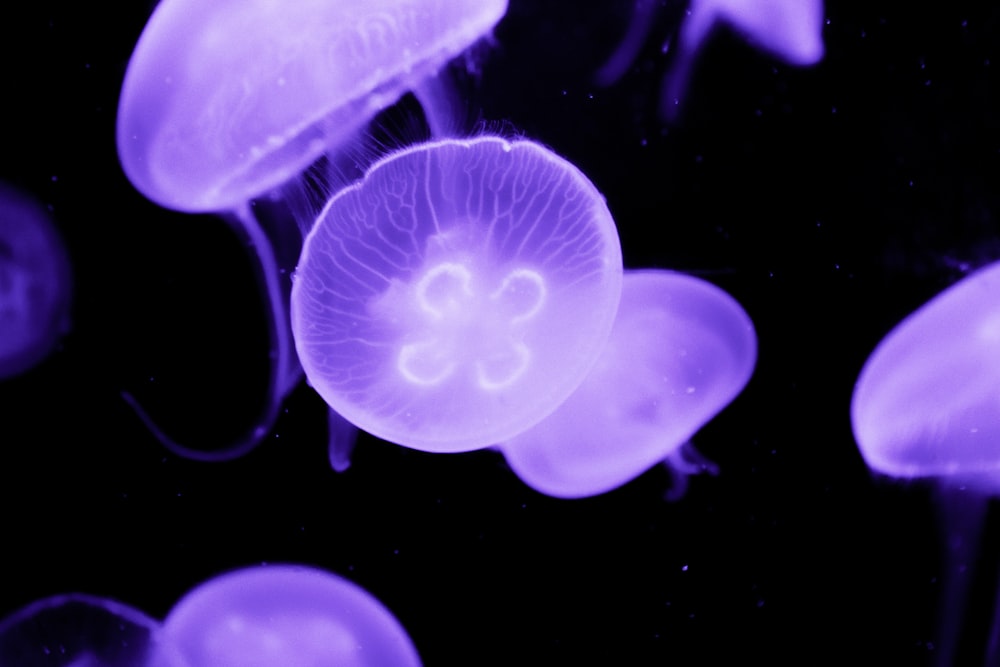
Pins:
<point x="35" y="284"/>
<point x="790" y="30"/>
<point x="78" y="630"/>
<point x="681" y="350"/>
<point x="224" y="102"/>
<point x="284" y="615"/>
<point x="458" y="294"/>
<point x="927" y="405"/>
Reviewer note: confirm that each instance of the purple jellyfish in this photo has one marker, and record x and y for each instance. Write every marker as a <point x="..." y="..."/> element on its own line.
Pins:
<point x="225" y="101"/>
<point x="35" y="284"/>
<point x="927" y="405"/>
<point x="284" y="615"/>
<point x="791" y="30"/>
<point x="80" y="631"/>
<point x="458" y="294"/>
<point x="681" y="350"/>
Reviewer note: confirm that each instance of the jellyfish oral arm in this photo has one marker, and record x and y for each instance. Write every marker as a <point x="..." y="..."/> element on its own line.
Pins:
<point x="438" y="99"/>
<point x="342" y="438"/>
<point x="683" y="462"/>
<point x="614" y="68"/>
<point x="284" y="369"/>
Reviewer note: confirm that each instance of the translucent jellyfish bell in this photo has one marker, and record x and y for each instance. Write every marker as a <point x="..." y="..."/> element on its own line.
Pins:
<point x="458" y="294"/>
<point x="927" y="405"/>
<point x="35" y="284"/>
<point x="79" y="631"/>
<point x="225" y="101"/>
<point x="791" y="30"/>
<point x="681" y="350"/>
<point x="285" y="615"/>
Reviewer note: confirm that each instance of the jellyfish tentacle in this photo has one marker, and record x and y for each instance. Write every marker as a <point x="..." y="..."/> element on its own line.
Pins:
<point x="284" y="369"/>
<point x="638" y="29"/>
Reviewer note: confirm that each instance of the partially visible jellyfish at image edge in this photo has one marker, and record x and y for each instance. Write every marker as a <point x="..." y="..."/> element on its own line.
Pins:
<point x="224" y="102"/>
<point x="790" y="30"/>
<point x="78" y="630"/>
<point x="35" y="284"/>
<point x="680" y="351"/>
<point x="458" y="293"/>
<point x="927" y="406"/>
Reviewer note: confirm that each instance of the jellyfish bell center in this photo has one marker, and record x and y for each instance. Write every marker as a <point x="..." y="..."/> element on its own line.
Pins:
<point x="472" y="324"/>
<point x="281" y="637"/>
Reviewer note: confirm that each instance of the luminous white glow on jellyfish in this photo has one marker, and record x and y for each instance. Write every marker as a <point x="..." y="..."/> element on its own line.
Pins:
<point x="458" y="294"/>
<point x="285" y="615"/>
<point x="790" y="30"/>
<point x="927" y="405"/>
<point x="681" y="350"/>
<point x="224" y="101"/>
<point x="35" y="284"/>
<point x="79" y="630"/>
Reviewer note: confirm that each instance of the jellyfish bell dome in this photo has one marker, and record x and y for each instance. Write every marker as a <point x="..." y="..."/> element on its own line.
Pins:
<point x="284" y="615"/>
<point x="35" y="284"/>
<point x="223" y="101"/>
<point x="927" y="401"/>
<point x="458" y="293"/>
<point x="681" y="350"/>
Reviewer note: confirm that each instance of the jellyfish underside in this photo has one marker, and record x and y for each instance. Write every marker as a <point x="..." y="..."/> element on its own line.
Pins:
<point x="680" y="350"/>
<point x="791" y="30"/>
<point x="925" y="406"/>
<point x="285" y="615"/>
<point x="223" y="102"/>
<point x="457" y="293"/>
<point x="35" y="284"/>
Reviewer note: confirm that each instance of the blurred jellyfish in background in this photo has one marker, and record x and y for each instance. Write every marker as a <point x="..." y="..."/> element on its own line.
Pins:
<point x="79" y="631"/>
<point x="458" y="294"/>
<point x="223" y="102"/>
<point x="681" y="350"/>
<point x="927" y="405"/>
<point x="284" y="615"/>
<point x="790" y="30"/>
<point x="35" y="284"/>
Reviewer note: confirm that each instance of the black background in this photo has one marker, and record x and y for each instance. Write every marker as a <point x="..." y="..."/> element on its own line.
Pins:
<point x="829" y="201"/>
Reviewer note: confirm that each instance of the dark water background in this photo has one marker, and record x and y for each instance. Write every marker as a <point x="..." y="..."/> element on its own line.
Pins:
<point x="830" y="202"/>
